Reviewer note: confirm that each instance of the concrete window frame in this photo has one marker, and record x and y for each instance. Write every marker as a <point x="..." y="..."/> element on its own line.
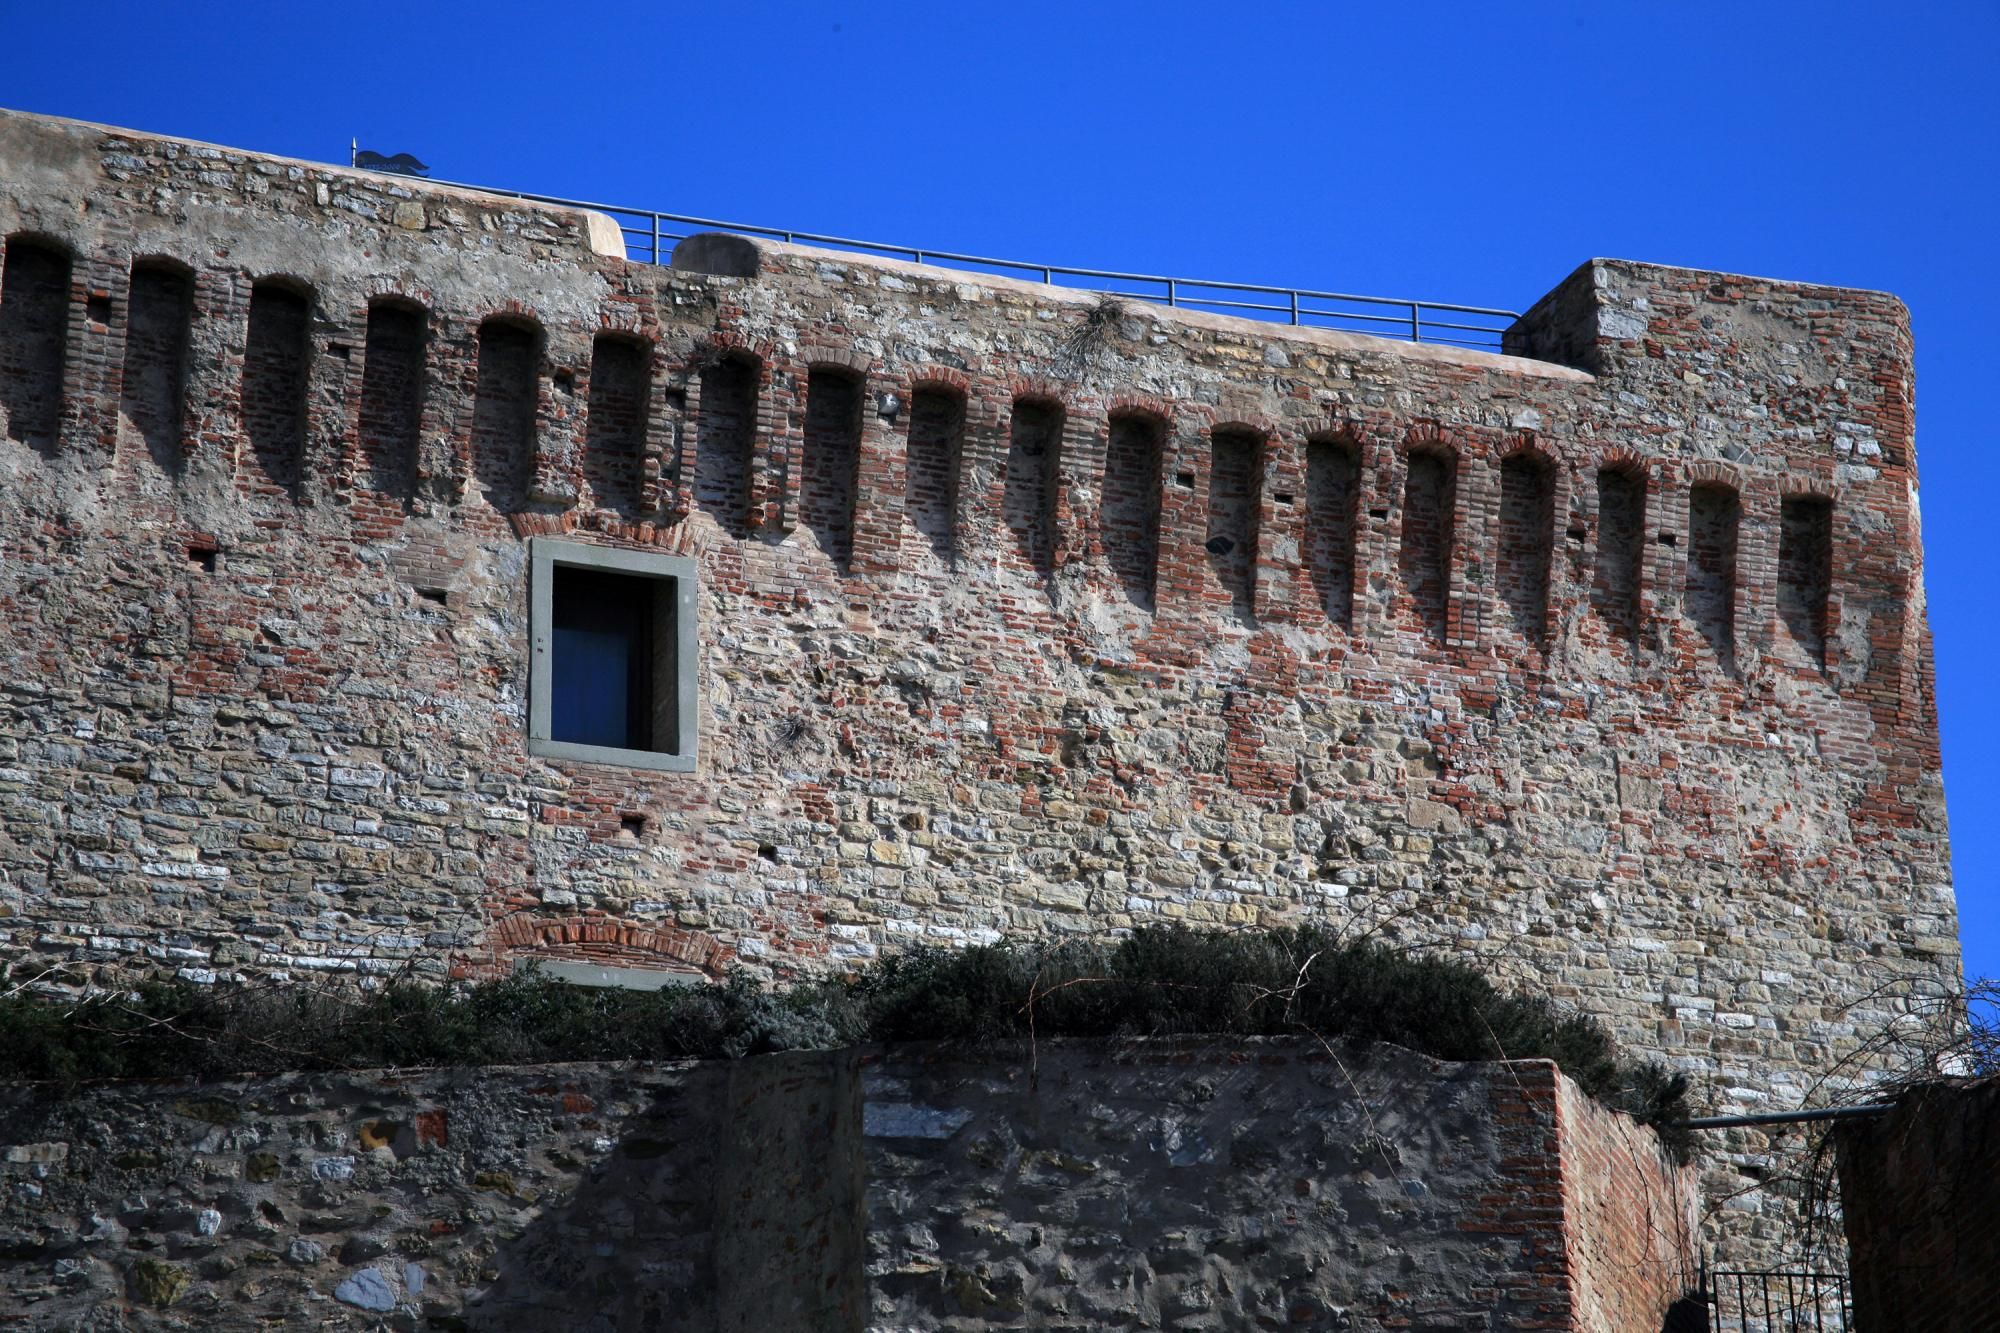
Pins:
<point x="675" y="685"/>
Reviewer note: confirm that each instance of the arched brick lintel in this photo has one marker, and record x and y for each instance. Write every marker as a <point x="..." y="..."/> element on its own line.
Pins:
<point x="603" y="939"/>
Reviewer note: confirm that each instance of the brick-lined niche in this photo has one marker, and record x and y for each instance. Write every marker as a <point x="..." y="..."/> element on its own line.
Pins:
<point x="1621" y="547"/>
<point x="614" y="449"/>
<point x="34" y="331"/>
<point x="277" y="361"/>
<point x="503" y="409"/>
<point x="392" y="397"/>
<point x="1034" y="448"/>
<point x="154" y="378"/>
<point x="1714" y="514"/>
<point x="724" y="441"/>
<point x="936" y="448"/>
<point x="830" y="466"/>
<point x="1235" y="474"/>
<point x="1131" y="504"/>
<point x="1333" y="495"/>
<point x="1805" y="573"/>
<point x="1424" y="558"/>
<point x="1527" y="521"/>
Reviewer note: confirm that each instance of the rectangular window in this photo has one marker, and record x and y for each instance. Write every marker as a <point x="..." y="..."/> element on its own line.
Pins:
<point x="612" y="680"/>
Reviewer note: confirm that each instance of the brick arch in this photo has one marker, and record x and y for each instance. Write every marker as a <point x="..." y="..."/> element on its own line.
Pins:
<point x="47" y="239"/>
<point x="1703" y="471"/>
<point x="612" y="940"/>
<point x="1263" y="428"/>
<point x="287" y="281"/>
<point x="1810" y="486"/>
<point x="948" y="379"/>
<point x="636" y="319"/>
<point x="1036" y="389"/>
<point x="513" y="314"/>
<point x="161" y="259"/>
<point x="386" y="287"/>
<point x="823" y="356"/>
<point x="1622" y="458"/>
<point x="1429" y="436"/>
<point x="722" y="342"/>
<point x="1140" y="405"/>
<point x="1528" y="444"/>
<point x="1335" y="430"/>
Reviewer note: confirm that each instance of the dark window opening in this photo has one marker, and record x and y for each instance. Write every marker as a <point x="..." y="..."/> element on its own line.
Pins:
<point x="1714" y="514"/>
<point x="1235" y="486"/>
<point x="936" y="446"/>
<point x="1333" y="490"/>
<point x="34" y="331"/>
<point x="503" y="411"/>
<point x="606" y="633"/>
<point x="1131" y="513"/>
<point x="1805" y="572"/>
<point x="1034" y="447"/>
<point x="829" y="470"/>
<point x="1527" y="518"/>
<point x="1425" y="558"/>
<point x="1621" y="545"/>
<point x="201" y="557"/>
<point x="151" y="387"/>
<point x="612" y="677"/>
<point x="614" y="448"/>
<point x="726" y="433"/>
<point x="276" y="361"/>
<point x="392" y="397"/>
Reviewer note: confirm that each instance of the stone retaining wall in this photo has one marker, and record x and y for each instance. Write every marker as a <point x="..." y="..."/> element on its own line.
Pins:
<point x="1073" y="1185"/>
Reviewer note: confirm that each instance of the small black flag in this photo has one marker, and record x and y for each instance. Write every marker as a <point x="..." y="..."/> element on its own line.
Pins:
<point x="402" y="164"/>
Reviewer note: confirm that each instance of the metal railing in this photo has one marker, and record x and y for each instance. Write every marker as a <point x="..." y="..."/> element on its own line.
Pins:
<point x="650" y="238"/>
<point x="1778" y="1301"/>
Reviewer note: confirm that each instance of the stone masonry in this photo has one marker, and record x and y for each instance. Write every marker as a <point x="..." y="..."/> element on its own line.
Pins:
<point x="1603" y="663"/>
<point x="1183" y="1184"/>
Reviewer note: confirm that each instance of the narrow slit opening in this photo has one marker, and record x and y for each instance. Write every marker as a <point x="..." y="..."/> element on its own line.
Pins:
<point x="1333" y="485"/>
<point x="829" y="468"/>
<point x="1130" y="517"/>
<point x="34" y="335"/>
<point x="276" y="369"/>
<point x="614" y="448"/>
<point x="1235" y="480"/>
<point x="725" y="436"/>
<point x="503" y="410"/>
<point x="1527" y="520"/>
<point x="1805" y="574"/>
<point x="935" y="451"/>
<point x="152" y="385"/>
<point x="392" y="397"/>
<point x="1034" y="446"/>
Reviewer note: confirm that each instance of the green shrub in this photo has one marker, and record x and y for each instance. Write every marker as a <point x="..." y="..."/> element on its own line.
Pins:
<point x="1154" y="982"/>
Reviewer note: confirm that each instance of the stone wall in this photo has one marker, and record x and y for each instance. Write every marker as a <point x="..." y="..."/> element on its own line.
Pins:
<point x="1063" y="632"/>
<point x="1920" y="1202"/>
<point x="1077" y="1185"/>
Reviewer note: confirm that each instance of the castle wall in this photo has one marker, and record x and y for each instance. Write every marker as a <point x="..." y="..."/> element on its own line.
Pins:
<point x="1078" y="1185"/>
<point x="1019" y="610"/>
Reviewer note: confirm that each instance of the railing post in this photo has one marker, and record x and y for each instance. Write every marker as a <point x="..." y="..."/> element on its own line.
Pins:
<point x="656" y="238"/>
<point x="1416" y="328"/>
<point x="1170" y="293"/>
<point x="1295" y="306"/>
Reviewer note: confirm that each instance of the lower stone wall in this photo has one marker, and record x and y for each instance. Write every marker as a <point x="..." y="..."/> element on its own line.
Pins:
<point x="1070" y="1185"/>
<point x="1920" y="1199"/>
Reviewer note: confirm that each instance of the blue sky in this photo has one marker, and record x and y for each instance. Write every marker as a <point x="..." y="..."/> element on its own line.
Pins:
<point x="1451" y="152"/>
